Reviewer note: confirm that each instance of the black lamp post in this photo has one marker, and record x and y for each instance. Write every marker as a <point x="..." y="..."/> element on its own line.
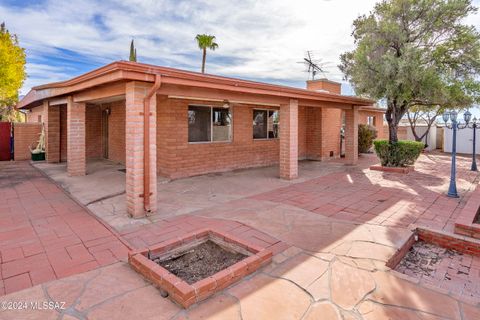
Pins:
<point x="473" y="125"/>
<point x="452" y="116"/>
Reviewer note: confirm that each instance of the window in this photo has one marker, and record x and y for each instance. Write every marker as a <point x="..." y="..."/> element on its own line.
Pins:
<point x="207" y="124"/>
<point x="265" y="124"/>
<point x="371" y="121"/>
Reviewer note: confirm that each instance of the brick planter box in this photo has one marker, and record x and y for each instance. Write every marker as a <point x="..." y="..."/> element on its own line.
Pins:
<point x="465" y="224"/>
<point x="187" y="294"/>
<point x="442" y="239"/>
<point x="403" y="170"/>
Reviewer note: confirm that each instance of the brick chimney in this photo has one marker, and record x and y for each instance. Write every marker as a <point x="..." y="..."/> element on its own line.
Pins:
<point x="324" y="85"/>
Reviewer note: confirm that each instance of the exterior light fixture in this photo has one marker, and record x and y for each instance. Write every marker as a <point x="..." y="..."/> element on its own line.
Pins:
<point x="226" y="104"/>
<point x="452" y="115"/>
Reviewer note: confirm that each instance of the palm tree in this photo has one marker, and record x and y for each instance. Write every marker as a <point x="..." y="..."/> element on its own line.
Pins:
<point x="206" y="41"/>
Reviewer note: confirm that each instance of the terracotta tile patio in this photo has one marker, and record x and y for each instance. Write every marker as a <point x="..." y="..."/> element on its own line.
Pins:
<point x="332" y="233"/>
<point x="44" y="234"/>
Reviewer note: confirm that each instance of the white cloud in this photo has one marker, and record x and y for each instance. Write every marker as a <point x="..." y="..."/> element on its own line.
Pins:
<point x="258" y="39"/>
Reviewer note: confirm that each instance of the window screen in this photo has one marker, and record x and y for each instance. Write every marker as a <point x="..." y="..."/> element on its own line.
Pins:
<point x="260" y="121"/>
<point x="199" y="125"/>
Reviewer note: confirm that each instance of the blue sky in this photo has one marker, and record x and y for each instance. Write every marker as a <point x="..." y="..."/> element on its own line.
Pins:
<point x="259" y="40"/>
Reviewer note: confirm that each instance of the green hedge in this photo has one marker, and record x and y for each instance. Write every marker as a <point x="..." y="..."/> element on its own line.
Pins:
<point x="366" y="135"/>
<point x="399" y="154"/>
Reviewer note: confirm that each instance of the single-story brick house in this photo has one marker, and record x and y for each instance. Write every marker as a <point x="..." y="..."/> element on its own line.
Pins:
<point x="197" y="123"/>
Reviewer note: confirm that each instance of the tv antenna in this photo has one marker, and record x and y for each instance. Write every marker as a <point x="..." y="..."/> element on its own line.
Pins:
<point x="313" y="65"/>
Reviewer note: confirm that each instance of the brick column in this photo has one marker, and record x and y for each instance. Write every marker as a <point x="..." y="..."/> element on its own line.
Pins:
<point x="289" y="140"/>
<point x="135" y="93"/>
<point x="76" y="157"/>
<point x="52" y="132"/>
<point x="351" y="136"/>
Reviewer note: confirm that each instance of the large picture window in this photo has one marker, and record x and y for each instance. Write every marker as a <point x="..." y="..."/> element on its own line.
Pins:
<point x="265" y="124"/>
<point x="209" y="124"/>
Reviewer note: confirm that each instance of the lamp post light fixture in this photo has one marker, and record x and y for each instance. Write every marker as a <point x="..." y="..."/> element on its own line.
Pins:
<point x="474" y="124"/>
<point x="455" y="125"/>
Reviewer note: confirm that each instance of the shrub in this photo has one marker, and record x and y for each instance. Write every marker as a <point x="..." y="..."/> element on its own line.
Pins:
<point x="366" y="135"/>
<point x="399" y="154"/>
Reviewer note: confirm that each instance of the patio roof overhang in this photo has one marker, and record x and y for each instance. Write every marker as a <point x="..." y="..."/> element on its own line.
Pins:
<point x="108" y="82"/>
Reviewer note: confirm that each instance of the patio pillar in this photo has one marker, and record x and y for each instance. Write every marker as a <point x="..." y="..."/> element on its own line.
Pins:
<point x="136" y="92"/>
<point x="76" y="155"/>
<point x="351" y="136"/>
<point x="289" y="140"/>
<point x="52" y="132"/>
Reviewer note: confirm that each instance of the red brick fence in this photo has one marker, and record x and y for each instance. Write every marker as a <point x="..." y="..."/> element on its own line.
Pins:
<point x="25" y="135"/>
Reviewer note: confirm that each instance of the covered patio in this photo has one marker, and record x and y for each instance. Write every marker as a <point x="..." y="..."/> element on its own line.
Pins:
<point x="150" y="134"/>
<point x="102" y="190"/>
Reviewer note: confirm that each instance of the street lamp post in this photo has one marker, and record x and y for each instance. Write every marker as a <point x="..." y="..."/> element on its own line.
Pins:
<point x="473" y="125"/>
<point x="452" y="116"/>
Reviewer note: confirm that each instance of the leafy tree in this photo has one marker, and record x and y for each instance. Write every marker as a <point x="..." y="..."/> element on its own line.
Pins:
<point x="423" y="114"/>
<point x="133" y="52"/>
<point x="415" y="53"/>
<point x="12" y="73"/>
<point x="206" y="41"/>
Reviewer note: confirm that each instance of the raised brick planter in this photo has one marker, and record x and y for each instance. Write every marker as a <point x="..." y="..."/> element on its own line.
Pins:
<point x="403" y="170"/>
<point x="187" y="294"/>
<point x="464" y="224"/>
<point x="449" y="241"/>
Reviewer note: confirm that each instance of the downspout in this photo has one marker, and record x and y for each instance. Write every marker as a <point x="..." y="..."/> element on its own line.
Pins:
<point x="146" y="142"/>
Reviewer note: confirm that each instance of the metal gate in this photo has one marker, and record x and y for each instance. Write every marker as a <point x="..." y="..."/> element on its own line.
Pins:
<point x="5" y="141"/>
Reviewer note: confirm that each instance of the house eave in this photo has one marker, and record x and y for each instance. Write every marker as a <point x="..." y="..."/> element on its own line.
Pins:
<point x="129" y="71"/>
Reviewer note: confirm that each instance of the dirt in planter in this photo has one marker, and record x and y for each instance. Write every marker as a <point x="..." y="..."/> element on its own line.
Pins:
<point x="200" y="262"/>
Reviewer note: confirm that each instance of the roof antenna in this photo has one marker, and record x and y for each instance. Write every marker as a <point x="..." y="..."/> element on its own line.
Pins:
<point x="313" y="65"/>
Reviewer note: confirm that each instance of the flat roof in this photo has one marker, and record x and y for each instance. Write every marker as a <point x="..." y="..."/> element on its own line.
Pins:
<point x="129" y="71"/>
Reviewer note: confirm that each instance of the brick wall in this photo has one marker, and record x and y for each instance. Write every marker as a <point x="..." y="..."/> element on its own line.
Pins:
<point x="313" y="128"/>
<point x="323" y="133"/>
<point x="116" y="131"/>
<point x="302" y="132"/>
<point x="178" y="158"/>
<point x="34" y="113"/>
<point x="331" y="124"/>
<point x="63" y="133"/>
<point x="93" y="132"/>
<point x="52" y="132"/>
<point x="324" y="84"/>
<point x="25" y="136"/>
<point x="76" y="138"/>
<point x="363" y="117"/>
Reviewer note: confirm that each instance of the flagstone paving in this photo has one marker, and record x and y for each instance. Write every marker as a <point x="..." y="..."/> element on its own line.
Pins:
<point x="327" y="265"/>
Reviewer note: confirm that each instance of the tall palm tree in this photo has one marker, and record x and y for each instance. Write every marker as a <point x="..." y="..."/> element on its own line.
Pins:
<point x="205" y="41"/>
